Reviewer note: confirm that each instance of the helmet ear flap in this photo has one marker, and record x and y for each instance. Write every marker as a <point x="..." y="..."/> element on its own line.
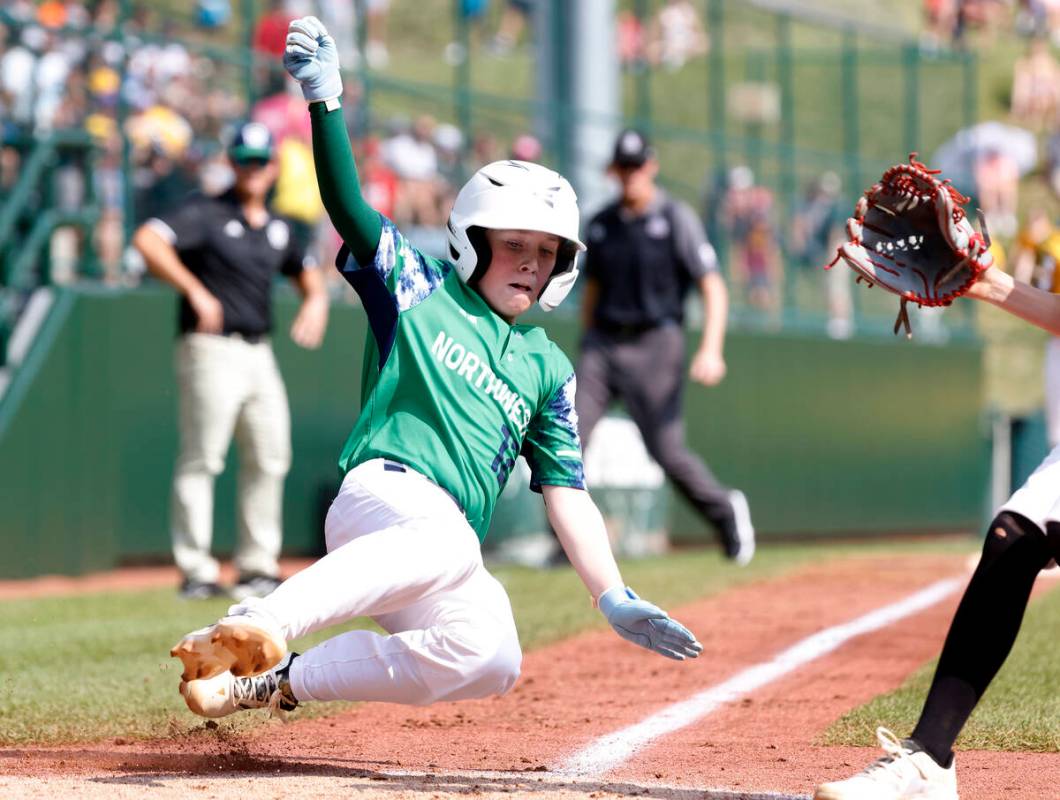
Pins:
<point x="565" y="256"/>
<point x="568" y="251"/>
<point x="483" y="253"/>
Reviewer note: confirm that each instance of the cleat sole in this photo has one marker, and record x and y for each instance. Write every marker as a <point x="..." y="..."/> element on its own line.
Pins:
<point x="243" y="649"/>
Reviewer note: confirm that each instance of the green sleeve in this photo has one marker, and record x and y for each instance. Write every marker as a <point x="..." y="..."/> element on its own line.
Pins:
<point x="359" y="225"/>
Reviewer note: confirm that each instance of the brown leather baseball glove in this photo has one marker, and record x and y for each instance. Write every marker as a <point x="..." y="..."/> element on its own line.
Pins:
<point x="910" y="235"/>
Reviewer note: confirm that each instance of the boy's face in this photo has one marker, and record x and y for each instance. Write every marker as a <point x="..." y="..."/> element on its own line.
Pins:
<point x="521" y="264"/>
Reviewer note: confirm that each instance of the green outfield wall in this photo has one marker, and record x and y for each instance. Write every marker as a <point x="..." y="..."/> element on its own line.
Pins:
<point x="825" y="437"/>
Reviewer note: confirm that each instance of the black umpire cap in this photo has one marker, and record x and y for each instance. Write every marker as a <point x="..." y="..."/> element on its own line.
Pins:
<point x="632" y="149"/>
<point x="250" y="142"/>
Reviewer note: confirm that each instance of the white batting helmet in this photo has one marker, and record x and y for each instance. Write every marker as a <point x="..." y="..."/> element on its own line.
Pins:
<point x="516" y="195"/>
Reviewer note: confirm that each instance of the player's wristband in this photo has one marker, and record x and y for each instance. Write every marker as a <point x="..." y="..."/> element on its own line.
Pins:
<point x="330" y="104"/>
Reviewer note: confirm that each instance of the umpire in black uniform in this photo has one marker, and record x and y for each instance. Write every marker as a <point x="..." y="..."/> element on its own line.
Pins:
<point x="222" y="254"/>
<point x="645" y="252"/>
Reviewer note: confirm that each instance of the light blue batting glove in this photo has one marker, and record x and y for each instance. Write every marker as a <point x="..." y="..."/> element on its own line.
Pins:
<point x="647" y="625"/>
<point x="311" y="58"/>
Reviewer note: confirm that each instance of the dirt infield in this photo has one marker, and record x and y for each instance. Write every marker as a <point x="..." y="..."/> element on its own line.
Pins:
<point x="759" y="746"/>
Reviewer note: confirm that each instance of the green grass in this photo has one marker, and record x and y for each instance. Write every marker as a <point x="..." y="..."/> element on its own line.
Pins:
<point x="1020" y="710"/>
<point x="96" y="666"/>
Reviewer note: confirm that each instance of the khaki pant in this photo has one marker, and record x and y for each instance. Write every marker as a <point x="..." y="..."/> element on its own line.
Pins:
<point x="228" y="386"/>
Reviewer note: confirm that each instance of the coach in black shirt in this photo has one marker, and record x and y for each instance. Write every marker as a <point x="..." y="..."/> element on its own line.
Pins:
<point x="645" y="252"/>
<point x="222" y="253"/>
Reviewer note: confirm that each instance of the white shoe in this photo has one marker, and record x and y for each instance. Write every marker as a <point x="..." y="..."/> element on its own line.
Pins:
<point x="225" y="694"/>
<point x="745" y="531"/>
<point x="246" y="642"/>
<point x="902" y="774"/>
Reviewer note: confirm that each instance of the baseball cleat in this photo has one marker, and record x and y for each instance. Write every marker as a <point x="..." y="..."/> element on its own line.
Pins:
<point x="225" y="694"/>
<point x="742" y="549"/>
<point x="905" y="773"/>
<point x="253" y="585"/>
<point x="246" y="642"/>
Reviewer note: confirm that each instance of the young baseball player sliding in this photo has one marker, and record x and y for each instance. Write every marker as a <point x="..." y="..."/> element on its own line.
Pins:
<point x="453" y="390"/>
<point x="1022" y="540"/>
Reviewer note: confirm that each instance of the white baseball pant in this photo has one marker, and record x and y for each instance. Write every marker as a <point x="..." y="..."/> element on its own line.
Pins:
<point x="1052" y="390"/>
<point x="401" y="552"/>
<point x="1038" y="499"/>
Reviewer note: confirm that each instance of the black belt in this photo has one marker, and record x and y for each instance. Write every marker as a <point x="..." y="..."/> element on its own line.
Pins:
<point x="397" y="466"/>
<point x="249" y="338"/>
<point x="629" y="329"/>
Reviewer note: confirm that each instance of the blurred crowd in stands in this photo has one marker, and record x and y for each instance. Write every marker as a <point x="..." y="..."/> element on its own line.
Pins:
<point x="61" y="65"/>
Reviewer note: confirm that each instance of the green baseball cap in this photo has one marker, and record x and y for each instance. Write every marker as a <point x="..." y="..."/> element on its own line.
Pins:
<point x="251" y="142"/>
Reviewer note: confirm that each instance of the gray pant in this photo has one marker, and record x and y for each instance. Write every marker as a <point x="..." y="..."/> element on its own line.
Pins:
<point x="646" y="371"/>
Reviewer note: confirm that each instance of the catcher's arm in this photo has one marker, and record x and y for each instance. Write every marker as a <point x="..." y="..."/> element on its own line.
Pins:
<point x="1022" y="300"/>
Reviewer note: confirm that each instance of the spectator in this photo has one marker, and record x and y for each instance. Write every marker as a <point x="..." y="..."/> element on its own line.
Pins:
<point x="526" y="148"/>
<point x="1052" y="160"/>
<point x="997" y="189"/>
<point x="411" y="154"/>
<point x="379" y="184"/>
<point x="109" y="233"/>
<point x="270" y="33"/>
<point x="340" y="17"/>
<point x="485" y="149"/>
<point x="817" y="230"/>
<point x="1036" y="260"/>
<point x="630" y="46"/>
<point x="449" y="149"/>
<point x="55" y="14"/>
<point x="676" y="35"/>
<point x="940" y="23"/>
<point x="1036" y="253"/>
<point x="221" y="254"/>
<point x="1036" y="86"/>
<point x="1040" y="18"/>
<point x="213" y="14"/>
<point x="645" y="252"/>
<point x="511" y="26"/>
<point x="375" y="48"/>
<point x="472" y="16"/>
<point x="269" y="40"/>
<point x="980" y="15"/>
<point x="746" y="217"/>
<point x="18" y="68"/>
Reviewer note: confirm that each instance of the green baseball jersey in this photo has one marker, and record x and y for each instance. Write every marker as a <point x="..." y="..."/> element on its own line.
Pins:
<point x="451" y="389"/>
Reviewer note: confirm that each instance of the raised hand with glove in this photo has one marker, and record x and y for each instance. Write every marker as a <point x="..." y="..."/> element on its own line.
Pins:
<point x="311" y="58"/>
<point x="642" y="623"/>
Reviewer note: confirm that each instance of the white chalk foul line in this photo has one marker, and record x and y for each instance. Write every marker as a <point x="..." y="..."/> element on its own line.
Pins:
<point x="610" y="751"/>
